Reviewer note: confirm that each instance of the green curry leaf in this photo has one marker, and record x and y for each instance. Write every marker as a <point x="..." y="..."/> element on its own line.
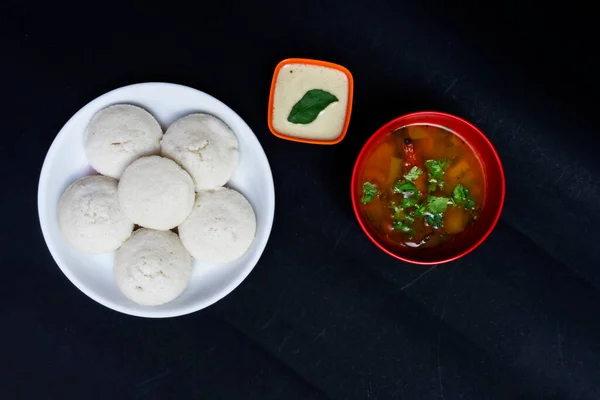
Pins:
<point x="310" y="105"/>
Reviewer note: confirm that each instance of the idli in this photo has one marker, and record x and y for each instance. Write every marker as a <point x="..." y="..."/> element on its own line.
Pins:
<point x="119" y="134"/>
<point x="203" y="145"/>
<point x="89" y="215"/>
<point x="220" y="228"/>
<point x="156" y="193"/>
<point x="152" y="267"/>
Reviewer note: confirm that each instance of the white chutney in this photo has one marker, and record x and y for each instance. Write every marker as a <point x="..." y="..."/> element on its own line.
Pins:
<point x="293" y="81"/>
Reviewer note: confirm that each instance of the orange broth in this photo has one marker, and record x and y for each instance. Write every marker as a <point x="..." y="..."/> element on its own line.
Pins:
<point x="389" y="165"/>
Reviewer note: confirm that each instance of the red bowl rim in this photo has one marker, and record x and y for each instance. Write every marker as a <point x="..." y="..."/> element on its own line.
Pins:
<point x="386" y="128"/>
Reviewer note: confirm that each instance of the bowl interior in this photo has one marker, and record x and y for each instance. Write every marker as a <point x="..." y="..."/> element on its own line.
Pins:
<point x="66" y="162"/>
<point x="494" y="189"/>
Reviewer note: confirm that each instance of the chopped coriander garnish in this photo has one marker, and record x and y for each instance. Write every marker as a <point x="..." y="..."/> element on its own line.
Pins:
<point x="436" y="170"/>
<point x="461" y="197"/>
<point x="437" y="205"/>
<point x="420" y="211"/>
<point x="433" y="207"/>
<point x="399" y="213"/>
<point x="410" y="201"/>
<point x="407" y="188"/>
<point x="460" y="193"/>
<point x="432" y="185"/>
<point x="413" y="174"/>
<point x="369" y="193"/>
<point x="403" y="226"/>
<point x="434" y="220"/>
<point x="409" y="191"/>
<point x="402" y="219"/>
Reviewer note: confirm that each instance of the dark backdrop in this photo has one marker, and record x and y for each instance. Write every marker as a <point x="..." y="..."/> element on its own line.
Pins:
<point x="324" y="315"/>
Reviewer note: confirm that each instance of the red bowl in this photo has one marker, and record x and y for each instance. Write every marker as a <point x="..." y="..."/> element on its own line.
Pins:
<point x="495" y="188"/>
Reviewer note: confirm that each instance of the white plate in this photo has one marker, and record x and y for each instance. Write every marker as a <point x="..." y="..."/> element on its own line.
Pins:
<point x="66" y="162"/>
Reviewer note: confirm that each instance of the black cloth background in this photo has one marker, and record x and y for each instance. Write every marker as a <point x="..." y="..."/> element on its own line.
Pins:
<point x="324" y="315"/>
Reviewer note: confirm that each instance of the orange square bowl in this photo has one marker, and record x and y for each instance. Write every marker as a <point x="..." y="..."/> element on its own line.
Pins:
<point x="319" y="63"/>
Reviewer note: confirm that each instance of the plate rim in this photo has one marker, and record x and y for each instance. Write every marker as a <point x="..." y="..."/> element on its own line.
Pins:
<point x="155" y="313"/>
